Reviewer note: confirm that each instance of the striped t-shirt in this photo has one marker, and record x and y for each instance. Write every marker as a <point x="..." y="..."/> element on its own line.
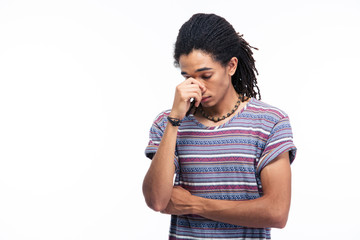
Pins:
<point x="224" y="162"/>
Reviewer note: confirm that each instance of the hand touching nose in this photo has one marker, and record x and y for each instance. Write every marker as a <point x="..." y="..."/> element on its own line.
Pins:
<point x="190" y="88"/>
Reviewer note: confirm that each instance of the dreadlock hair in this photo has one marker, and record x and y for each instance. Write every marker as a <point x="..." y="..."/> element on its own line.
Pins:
<point x="214" y="35"/>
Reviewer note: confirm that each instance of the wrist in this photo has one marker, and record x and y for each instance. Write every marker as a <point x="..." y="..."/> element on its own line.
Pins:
<point x="174" y="121"/>
<point x="176" y="115"/>
<point x="197" y="205"/>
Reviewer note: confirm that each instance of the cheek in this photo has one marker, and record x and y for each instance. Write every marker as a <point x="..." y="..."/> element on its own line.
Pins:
<point x="223" y="82"/>
<point x="219" y="83"/>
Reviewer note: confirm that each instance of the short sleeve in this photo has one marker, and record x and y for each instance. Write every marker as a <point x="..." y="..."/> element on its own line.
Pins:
<point x="280" y="140"/>
<point x="155" y="135"/>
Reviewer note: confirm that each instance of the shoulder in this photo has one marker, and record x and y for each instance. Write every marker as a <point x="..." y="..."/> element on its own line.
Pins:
<point x="160" y="120"/>
<point x="265" y="110"/>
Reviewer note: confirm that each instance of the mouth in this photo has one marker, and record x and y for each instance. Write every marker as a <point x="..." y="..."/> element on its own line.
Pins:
<point x="205" y="99"/>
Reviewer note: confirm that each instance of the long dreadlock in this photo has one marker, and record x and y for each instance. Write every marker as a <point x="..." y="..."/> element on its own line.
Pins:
<point x="217" y="37"/>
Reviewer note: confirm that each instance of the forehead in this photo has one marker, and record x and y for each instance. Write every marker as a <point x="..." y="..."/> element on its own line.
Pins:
<point x="197" y="59"/>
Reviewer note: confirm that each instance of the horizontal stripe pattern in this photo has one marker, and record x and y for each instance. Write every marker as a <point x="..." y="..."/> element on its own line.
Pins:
<point x="224" y="162"/>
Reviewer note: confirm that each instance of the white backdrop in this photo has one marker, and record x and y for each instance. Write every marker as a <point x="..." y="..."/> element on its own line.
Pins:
<point x="82" y="81"/>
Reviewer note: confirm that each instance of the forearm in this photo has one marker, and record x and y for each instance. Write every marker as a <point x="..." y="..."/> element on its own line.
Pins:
<point x="158" y="182"/>
<point x="258" y="213"/>
<point x="270" y="210"/>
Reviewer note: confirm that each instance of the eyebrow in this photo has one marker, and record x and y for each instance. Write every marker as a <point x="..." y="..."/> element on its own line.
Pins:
<point x="198" y="70"/>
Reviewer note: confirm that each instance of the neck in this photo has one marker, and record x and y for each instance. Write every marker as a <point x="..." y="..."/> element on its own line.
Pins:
<point x="225" y="105"/>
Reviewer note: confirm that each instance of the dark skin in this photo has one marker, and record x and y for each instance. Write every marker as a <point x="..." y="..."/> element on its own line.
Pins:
<point x="209" y="83"/>
<point x="270" y="210"/>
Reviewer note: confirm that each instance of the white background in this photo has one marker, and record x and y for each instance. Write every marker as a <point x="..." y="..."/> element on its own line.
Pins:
<point x="82" y="81"/>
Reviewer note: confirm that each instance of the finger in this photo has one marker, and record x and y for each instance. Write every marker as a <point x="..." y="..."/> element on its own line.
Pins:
<point x="189" y="90"/>
<point x="194" y="88"/>
<point x="194" y="81"/>
<point x="190" y="80"/>
<point x="195" y="94"/>
<point x="197" y="100"/>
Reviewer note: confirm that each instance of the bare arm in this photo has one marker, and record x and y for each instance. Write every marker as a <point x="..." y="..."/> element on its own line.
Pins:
<point x="158" y="181"/>
<point x="270" y="210"/>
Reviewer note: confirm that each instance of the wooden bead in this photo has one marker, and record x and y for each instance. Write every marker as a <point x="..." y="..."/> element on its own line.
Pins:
<point x="223" y="117"/>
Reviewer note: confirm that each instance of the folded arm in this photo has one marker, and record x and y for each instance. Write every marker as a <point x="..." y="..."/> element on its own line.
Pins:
<point x="270" y="210"/>
<point x="158" y="181"/>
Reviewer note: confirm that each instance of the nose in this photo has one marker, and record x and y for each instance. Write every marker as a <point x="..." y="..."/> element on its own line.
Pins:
<point x="203" y="88"/>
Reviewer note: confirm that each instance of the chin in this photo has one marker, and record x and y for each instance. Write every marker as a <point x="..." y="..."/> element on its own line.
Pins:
<point x="207" y="104"/>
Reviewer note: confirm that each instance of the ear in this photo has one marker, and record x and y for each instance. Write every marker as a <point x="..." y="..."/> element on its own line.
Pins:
<point x="232" y="65"/>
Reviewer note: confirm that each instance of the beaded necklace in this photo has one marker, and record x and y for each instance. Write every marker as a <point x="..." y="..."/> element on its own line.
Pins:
<point x="223" y="117"/>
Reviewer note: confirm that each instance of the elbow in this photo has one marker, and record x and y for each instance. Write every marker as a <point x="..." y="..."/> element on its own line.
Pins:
<point x="280" y="222"/>
<point x="156" y="205"/>
<point x="279" y="218"/>
<point x="156" y="196"/>
<point x="155" y="200"/>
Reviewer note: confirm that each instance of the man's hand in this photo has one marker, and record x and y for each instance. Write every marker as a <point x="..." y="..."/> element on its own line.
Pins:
<point x="181" y="202"/>
<point x="190" y="88"/>
<point x="270" y="210"/>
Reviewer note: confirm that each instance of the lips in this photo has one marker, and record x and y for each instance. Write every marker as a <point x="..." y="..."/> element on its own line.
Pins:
<point x="204" y="99"/>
